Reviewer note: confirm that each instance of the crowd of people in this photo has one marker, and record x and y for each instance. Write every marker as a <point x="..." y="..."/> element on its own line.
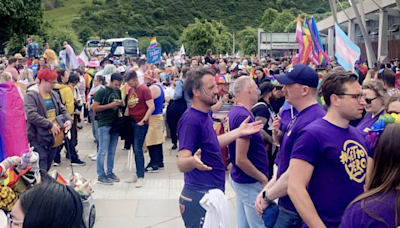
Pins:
<point x="290" y="135"/>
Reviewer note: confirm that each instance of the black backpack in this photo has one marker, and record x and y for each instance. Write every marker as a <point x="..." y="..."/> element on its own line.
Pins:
<point x="177" y="107"/>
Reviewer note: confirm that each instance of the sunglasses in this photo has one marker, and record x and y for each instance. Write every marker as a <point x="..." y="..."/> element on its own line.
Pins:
<point x="391" y="112"/>
<point x="369" y="101"/>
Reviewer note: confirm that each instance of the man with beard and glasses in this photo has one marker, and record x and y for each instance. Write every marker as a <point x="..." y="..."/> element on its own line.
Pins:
<point x="200" y="155"/>
<point x="328" y="166"/>
<point x="300" y="88"/>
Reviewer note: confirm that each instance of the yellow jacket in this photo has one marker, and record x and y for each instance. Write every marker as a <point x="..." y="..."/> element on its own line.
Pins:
<point x="67" y="97"/>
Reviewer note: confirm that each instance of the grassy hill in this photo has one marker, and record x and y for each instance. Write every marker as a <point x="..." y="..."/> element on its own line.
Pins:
<point x="63" y="16"/>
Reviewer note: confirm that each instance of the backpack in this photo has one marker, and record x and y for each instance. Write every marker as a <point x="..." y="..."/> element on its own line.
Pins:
<point x="177" y="107"/>
<point x="59" y="94"/>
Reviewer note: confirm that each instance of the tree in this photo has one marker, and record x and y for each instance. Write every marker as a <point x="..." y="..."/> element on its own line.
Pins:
<point x="281" y="21"/>
<point x="247" y="39"/>
<point x="200" y="36"/>
<point x="144" y="43"/>
<point x="85" y="34"/>
<point x="268" y="17"/>
<point x="56" y="37"/>
<point x="18" y="18"/>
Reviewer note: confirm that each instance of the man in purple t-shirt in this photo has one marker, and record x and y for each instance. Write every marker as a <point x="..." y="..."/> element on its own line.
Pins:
<point x="200" y="155"/>
<point x="248" y="154"/>
<point x="300" y="88"/>
<point x="329" y="160"/>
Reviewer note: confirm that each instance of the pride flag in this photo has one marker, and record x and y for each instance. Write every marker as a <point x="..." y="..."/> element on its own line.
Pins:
<point x="73" y="60"/>
<point x="308" y="44"/>
<point x="347" y="53"/>
<point x="57" y="177"/>
<point x="299" y="39"/>
<point x="12" y="122"/>
<point x="323" y="58"/>
<point x="153" y="42"/>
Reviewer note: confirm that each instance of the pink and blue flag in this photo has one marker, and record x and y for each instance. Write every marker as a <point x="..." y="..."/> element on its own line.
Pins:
<point x="73" y="60"/>
<point x="347" y="53"/>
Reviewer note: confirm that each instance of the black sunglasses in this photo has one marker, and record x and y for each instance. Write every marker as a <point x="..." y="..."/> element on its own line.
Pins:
<point x="369" y="101"/>
<point x="391" y="112"/>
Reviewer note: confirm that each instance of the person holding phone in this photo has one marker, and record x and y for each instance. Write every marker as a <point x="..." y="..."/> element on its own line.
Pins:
<point x="106" y="103"/>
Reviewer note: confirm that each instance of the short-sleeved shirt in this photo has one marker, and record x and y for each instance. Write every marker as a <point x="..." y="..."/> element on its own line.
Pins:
<point x="257" y="154"/>
<point x="195" y="131"/>
<point x="50" y="106"/>
<point x="265" y="110"/>
<point x="107" y="117"/>
<point x="292" y="133"/>
<point x="366" y="123"/>
<point x="339" y="157"/>
<point x="381" y="206"/>
<point x="137" y="102"/>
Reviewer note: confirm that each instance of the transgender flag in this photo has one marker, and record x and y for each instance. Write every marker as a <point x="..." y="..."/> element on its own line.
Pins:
<point x="299" y="39"/>
<point x="347" y="53"/>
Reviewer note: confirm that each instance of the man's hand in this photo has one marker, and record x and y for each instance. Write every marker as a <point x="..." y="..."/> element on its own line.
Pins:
<point x="198" y="163"/>
<point x="67" y="125"/>
<point x="121" y="103"/>
<point x="260" y="204"/>
<point x="247" y="128"/>
<point x="115" y="104"/>
<point x="55" y="130"/>
<point x="276" y="124"/>
<point x="225" y="98"/>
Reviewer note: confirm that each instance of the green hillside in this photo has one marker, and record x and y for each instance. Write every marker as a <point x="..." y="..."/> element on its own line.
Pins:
<point x="62" y="16"/>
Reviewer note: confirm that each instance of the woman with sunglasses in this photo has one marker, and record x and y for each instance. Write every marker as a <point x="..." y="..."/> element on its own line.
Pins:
<point x="375" y="97"/>
<point x="379" y="205"/>
<point x="393" y="105"/>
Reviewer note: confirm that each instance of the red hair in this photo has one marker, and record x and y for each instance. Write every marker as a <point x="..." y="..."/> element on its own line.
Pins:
<point x="47" y="75"/>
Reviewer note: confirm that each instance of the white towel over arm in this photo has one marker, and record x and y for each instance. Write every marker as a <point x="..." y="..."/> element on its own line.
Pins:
<point x="216" y="205"/>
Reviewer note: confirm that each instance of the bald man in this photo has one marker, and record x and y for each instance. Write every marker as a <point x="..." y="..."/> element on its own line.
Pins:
<point x="248" y="155"/>
<point x="222" y="68"/>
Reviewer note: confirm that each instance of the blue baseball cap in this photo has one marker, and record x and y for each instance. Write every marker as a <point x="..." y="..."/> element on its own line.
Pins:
<point x="301" y="74"/>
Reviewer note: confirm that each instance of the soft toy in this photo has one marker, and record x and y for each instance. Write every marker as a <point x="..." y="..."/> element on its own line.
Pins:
<point x="28" y="157"/>
<point x="378" y="127"/>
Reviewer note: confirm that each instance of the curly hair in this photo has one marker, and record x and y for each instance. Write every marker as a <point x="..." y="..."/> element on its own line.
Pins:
<point x="378" y="89"/>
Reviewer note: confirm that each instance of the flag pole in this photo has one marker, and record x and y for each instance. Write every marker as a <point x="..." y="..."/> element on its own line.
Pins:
<point x="370" y="53"/>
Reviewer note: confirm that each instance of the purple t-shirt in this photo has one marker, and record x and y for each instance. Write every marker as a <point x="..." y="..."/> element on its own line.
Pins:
<point x="366" y="123"/>
<point x="195" y="131"/>
<point x="298" y="123"/>
<point x="380" y="206"/>
<point x="339" y="157"/>
<point x="257" y="154"/>
<point x="286" y="118"/>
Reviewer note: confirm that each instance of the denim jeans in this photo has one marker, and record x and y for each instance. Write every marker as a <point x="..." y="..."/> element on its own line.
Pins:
<point x="94" y="128"/>
<point x="288" y="219"/>
<point x="107" y="145"/>
<point x="192" y="212"/>
<point x="139" y="135"/>
<point x="246" y="195"/>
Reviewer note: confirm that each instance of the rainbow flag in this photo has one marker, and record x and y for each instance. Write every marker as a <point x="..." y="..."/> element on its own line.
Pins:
<point x="322" y="57"/>
<point x="58" y="177"/>
<point x="252" y="72"/>
<point x="165" y="56"/>
<point x="12" y="121"/>
<point x="308" y="43"/>
<point x="12" y="176"/>
<point x="153" y="42"/>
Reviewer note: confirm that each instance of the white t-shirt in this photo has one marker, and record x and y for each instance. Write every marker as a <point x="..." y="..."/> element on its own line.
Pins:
<point x="169" y="92"/>
<point x="140" y="75"/>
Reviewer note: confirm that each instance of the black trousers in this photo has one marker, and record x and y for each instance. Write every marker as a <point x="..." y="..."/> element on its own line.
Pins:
<point x="156" y="156"/>
<point x="173" y="126"/>
<point x="46" y="155"/>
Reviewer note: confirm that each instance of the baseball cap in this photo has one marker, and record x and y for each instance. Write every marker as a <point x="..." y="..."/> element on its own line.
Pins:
<point x="301" y="74"/>
<point x="265" y="88"/>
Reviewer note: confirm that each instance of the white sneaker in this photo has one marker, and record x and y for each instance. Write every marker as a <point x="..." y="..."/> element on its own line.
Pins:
<point x="93" y="155"/>
<point x="139" y="183"/>
<point x="94" y="158"/>
<point x="56" y="164"/>
<point x="132" y="179"/>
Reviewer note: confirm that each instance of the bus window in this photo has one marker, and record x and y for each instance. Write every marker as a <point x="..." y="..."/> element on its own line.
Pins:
<point x="129" y="43"/>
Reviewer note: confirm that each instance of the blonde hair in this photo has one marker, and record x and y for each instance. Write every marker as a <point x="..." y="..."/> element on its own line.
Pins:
<point x="51" y="56"/>
<point x="370" y="75"/>
<point x="5" y="77"/>
<point x="378" y="89"/>
<point x="25" y="74"/>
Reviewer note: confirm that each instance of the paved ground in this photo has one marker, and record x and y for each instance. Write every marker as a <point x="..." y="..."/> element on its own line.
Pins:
<point x="154" y="205"/>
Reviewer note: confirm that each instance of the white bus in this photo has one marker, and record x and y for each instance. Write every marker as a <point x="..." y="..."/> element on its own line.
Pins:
<point x="125" y="47"/>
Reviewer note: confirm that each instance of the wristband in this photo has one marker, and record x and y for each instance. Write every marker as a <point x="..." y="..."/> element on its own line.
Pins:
<point x="10" y="161"/>
<point x="265" y="197"/>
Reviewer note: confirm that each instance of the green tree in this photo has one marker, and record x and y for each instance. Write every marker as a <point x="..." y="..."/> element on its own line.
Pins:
<point x="56" y="37"/>
<point x="268" y="18"/>
<point x="18" y="18"/>
<point x="200" y="36"/>
<point x="281" y="21"/>
<point x="144" y="43"/>
<point x="247" y="39"/>
<point x="85" y="34"/>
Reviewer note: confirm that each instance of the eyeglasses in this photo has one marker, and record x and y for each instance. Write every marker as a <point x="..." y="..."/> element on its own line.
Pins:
<point x="391" y="112"/>
<point x="357" y="96"/>
<point x="369" y="101"/>
<point x="10" y="221"/>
